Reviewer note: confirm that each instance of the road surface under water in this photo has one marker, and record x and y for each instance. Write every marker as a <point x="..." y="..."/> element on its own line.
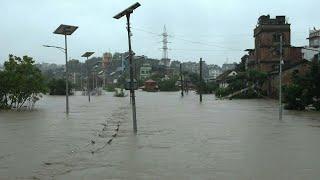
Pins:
<point x="178" y="138"/>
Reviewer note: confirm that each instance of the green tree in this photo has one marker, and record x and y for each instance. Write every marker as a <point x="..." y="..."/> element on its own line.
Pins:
<point x="58" y="87"/>
<point x="243" y="80"/>
<point x="20" y="81"/>
<point x="304" y="90"/>
<point x="168" y="85"/>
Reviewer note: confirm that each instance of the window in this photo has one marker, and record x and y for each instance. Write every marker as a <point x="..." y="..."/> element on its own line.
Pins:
<point x="276" y="37"/>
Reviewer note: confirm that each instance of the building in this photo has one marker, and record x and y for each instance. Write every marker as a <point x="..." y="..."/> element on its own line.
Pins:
<point x="106" y="59"/>
<point x="224" y="78"/>
<point x="145" y="71"/>
<point x="175" y="65"/>
<point x="314" y="38"/>
<point x="309" y="52"/>
<point x="150" y="86"/>
<point x="165" y="62"/>
<point x="226" y="66"/>
<point x="267" y="35"/>
<point x="213" y="71"/>
<point x="250" y="59"/>
<point x="190" y="67"/>
<point x="272" y="85"/>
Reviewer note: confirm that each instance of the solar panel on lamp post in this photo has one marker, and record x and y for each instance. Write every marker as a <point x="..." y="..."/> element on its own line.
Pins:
<point x="66" y="30"/>
<point x="87" y="55"/>
<point x="127" y="12"/>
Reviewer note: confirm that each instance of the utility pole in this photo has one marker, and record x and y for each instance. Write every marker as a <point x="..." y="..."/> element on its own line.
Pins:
<point x="185" y="86"/>
<point x="67" y="74"/>
<point x="81" y="85"/>
<point x="280" y="80"/>
<point x="133" y="99"/>
<point x="200" y="88"/>
<point x="93" y="81"/>
<point x="65" y="30"/>
<point x="181" y="81"/>
<point x="95" y="78"/>
<point x="127" y="12"/>
<point x="104" y="78"/>
<point x="87" y="55"/>
<point x="88" y="80"/>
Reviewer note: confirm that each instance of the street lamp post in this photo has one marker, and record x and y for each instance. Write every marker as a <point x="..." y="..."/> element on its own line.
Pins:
<point x="66" y="30"/>
<point x="200" y="88"/>
<point x="127" y="12"/>
<point x="181" y="81"/>
<point x="280" y="80"/>
<point x="87" y="55"/>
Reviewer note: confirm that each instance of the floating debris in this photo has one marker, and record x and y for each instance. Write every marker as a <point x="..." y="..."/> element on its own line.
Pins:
<point x="109" y="142"/>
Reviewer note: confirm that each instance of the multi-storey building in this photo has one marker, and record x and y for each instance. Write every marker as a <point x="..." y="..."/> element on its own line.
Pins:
<point x="106" y="59"/>
<point x="267" y="34"/>
<point x="214" y="71"/>
<point x="145" y="71"/>
<point x="309" y="52"/>
<point x="226" y="66"/>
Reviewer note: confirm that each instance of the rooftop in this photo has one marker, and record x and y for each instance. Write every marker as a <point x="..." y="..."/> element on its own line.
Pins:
<point x="266" y="20"/>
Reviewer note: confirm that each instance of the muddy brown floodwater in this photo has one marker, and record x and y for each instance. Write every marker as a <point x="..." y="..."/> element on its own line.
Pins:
<point x="178" y="138"/>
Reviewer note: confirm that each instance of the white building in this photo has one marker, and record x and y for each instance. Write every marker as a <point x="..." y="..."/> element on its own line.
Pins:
<point x="226" y="67"/>
<point x="223" y="78"/>
<point x="214" y="71"/>
<point x="314" y="45"/>
<point x="165" y="62"/>
<point x="145" y="71"/>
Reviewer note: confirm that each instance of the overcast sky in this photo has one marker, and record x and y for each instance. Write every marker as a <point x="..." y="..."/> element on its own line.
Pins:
<point x="222" y="28"/>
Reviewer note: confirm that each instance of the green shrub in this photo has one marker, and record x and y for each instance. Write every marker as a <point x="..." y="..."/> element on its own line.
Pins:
<point x="221" y="92"/>
<point x="293" y="97"/>
<point x="168" y="85"/>
<point x="58" y="87"/>
<point x="110" y="87"/>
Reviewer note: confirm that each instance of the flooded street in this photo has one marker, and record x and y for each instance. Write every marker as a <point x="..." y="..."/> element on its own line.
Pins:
<point x="178" y="138"/>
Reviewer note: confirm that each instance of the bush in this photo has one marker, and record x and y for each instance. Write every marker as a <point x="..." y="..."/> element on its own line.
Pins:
<point x="316" y="104"/>
<point x="293" y="97"/>
<point x="58" y="87"/>
<point x="168" y="85"/>
<point x="20" y="81"/>
<point x="110" y="88"/>
<point x="221" y="92"/>
<point x="207" y="88"/>
<point x="305" y="89"/>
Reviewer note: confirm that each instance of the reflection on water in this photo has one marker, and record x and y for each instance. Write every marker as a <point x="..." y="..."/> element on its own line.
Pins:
<point x="178" y="138"/>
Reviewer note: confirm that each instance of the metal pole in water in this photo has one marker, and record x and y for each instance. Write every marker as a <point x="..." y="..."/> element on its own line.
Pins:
<point x="280" y="80"/>
<point x="88" y="80"/>
<point x="67" y="75"/>
<point x="181" y="81"/>
<point x="127" y="13"/>
<point x="200" y="88"/>
<point x="133" y="100"/>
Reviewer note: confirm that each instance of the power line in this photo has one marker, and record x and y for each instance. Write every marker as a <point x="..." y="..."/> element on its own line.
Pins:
<point x="146" y="31"/>
<point x="204" y="50"/>
<point x="190" y="41"/>
<point x="207" y="44"/>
